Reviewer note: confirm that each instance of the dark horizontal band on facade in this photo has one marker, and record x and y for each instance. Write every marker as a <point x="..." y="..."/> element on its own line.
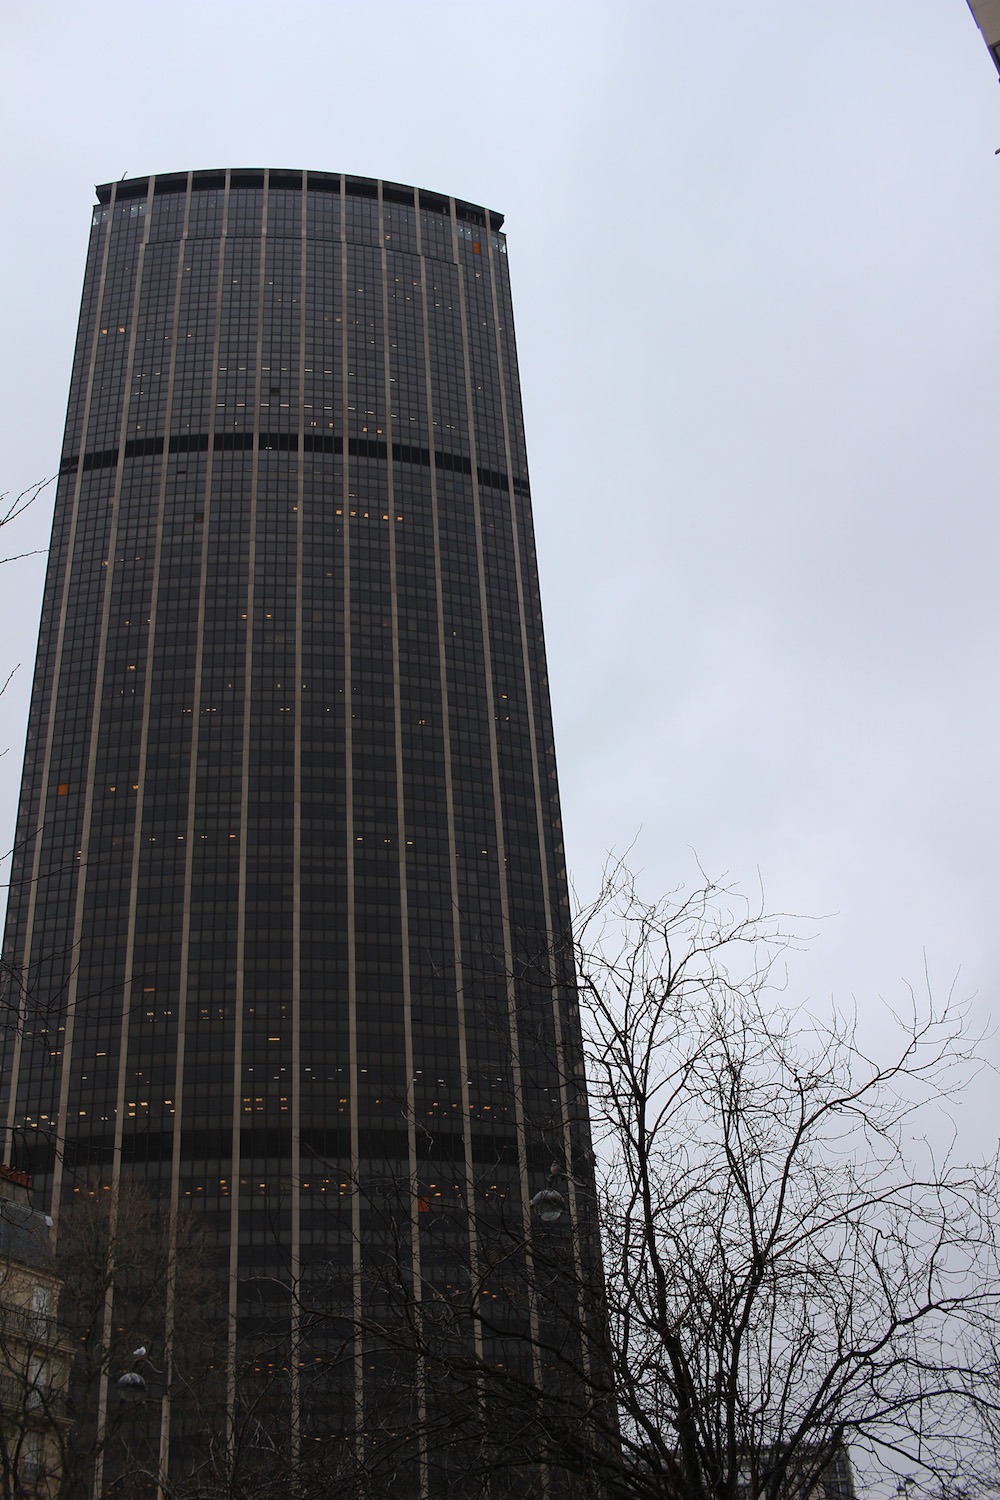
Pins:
<point x="488" y="1149"/>
<point x="288" y="442"/>
<point x="315" y="182"/>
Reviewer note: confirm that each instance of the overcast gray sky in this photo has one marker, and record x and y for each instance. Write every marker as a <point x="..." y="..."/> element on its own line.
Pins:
<point x="754" y="254"/>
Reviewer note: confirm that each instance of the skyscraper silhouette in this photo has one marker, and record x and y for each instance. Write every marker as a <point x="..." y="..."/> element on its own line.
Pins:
<point x="289" y="865"/>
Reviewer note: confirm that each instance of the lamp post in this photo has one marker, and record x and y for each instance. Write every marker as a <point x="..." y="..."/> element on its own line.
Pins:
<point x="132" y="1391"/>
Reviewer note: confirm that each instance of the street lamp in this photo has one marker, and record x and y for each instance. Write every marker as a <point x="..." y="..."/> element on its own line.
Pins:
<point x="550" y="1205"/>
<point x="132" y="1385"/>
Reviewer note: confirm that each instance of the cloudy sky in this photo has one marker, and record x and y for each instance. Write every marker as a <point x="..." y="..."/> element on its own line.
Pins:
<point x="754" y="253"/>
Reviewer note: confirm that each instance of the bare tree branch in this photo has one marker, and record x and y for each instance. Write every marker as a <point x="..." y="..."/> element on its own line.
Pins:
<point x="22" y="501"/>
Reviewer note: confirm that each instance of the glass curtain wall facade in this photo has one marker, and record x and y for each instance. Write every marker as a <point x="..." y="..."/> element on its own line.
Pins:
<point x="289" y="827"/>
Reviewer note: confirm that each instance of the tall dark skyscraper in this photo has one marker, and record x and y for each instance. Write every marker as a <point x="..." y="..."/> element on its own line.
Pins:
<point x="289" y="864"/>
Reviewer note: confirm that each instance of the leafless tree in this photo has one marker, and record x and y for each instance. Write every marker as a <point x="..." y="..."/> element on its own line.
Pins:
<point x="35" y="1356"/>
<point x="118" y="1277"/>
<point x="796" y="1256"/>
<point x="794" y="1260"/>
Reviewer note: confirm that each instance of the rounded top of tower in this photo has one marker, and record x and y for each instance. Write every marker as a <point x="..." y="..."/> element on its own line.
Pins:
<point x="315" y="182"/>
